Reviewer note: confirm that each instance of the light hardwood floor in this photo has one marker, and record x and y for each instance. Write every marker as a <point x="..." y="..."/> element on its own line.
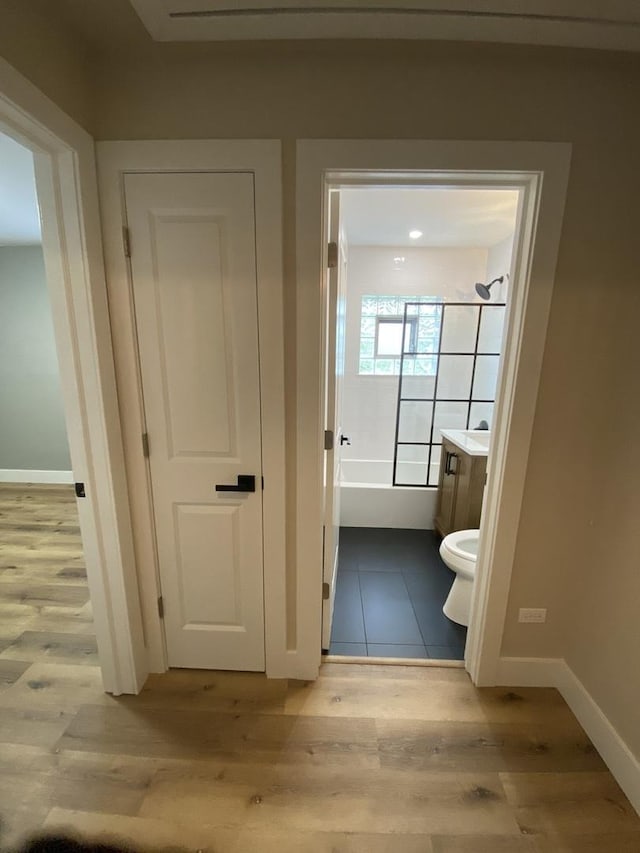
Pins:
<point x="368" y="759"/>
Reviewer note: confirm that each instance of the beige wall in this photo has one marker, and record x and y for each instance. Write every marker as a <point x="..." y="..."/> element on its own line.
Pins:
<point x="579" y="492"/>
<point x="37" y="44"/>
<point x="602" y="643"/>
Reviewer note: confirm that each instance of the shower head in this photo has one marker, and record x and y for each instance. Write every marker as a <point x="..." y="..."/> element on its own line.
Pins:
<point x="483" y="290"/>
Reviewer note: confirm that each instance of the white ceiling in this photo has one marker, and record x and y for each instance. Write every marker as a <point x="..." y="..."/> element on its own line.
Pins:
<point x="19" y="217"/>
<point x="607" y="24"/>
<point x="446" y="217"/>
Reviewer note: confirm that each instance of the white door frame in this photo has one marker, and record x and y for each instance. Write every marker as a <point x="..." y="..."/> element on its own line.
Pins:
<point x="540" y="171"/>
<point x="331" y="393"/>
<point x="263" y="159"/>
<point x="71" y="241"/>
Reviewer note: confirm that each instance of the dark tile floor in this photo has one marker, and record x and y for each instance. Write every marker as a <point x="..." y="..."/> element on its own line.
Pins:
<point x="389" y="595"/>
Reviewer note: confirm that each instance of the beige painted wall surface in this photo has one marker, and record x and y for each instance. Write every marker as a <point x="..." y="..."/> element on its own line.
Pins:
<point x="465" y="92"/>
<point x="603" y="633"/>
<point x="578" y="490"/>
<point x="40" y="46"/>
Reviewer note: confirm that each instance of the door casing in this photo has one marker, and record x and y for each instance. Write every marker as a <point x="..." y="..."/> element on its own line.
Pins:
<point x="262" y="158"/>
<point x="334" y="369"/>
<point x="64" y="158"/>
<point x="540" y="171"/>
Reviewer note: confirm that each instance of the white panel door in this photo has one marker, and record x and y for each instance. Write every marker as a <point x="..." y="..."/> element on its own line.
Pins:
<point x="192" y="238"/>
<point x="335" y="348"/>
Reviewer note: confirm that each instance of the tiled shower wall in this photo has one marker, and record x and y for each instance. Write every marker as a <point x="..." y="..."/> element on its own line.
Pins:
<point x="369" y="402"/>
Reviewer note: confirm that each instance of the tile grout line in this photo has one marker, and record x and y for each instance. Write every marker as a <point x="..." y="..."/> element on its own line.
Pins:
<point x="423" y="644"/>
<point x="415" y="615"/>
<point x="364" y="621"/>
<point x="427" y="655"/>
<point x="450" y="645"/>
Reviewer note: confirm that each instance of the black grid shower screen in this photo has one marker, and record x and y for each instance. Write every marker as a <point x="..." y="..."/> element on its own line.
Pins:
<point x="448" y="384"/>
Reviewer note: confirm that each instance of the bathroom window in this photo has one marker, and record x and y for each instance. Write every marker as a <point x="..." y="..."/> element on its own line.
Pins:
<point x="389" y="336"/>
<point x="381" y="328"/>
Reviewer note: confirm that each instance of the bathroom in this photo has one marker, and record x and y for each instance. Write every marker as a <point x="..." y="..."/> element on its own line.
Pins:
<point x="420" y="315"/>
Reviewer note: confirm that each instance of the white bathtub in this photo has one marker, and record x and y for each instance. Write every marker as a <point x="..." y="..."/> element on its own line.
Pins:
<point x="367" y="498"/>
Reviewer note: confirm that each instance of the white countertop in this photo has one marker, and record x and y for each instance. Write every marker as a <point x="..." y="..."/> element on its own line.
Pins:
<point x="475" y="442"/>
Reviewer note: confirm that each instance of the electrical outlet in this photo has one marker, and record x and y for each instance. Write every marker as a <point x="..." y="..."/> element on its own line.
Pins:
<point x="532" y="614"/>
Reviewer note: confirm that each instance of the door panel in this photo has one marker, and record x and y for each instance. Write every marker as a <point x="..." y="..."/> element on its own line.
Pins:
<point x="207" y="598"/>
<point x="192" y="327"/>
<point x="194" y="287"/>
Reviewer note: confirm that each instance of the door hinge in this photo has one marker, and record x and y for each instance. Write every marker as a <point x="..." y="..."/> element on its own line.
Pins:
<point x="161" y="607"/>
<point x="332" y="255"/>
<point x="326" y="591"/>
<point x="328" y="439"/>
<point x="126" y="242"/>
<point x="145" y="444"/>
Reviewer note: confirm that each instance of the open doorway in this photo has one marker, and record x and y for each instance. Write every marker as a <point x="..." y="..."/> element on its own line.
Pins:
<point x="45" y="612"/>
<point x="539" y="172"/>
<point x="418" y="289"/>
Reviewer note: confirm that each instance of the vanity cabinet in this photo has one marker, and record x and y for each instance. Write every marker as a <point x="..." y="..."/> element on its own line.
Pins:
<point x="460" y="489"/>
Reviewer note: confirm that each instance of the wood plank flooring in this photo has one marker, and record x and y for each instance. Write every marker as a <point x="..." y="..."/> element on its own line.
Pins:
<point x="368" y="759"/>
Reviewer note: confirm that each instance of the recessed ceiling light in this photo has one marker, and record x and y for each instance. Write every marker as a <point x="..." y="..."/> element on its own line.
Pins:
<point x="415" y="234"/>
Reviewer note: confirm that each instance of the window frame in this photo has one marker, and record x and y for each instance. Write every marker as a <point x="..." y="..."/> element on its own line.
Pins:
<point x="400" y="320"/>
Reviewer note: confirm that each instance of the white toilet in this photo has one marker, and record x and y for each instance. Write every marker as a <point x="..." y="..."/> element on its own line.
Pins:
<point x="459" y="551"/>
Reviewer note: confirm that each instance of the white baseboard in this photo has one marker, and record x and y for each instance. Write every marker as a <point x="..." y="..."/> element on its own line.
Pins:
<point x="616" y="754"/>
<point x="7" y="475"/>
<point x="555" y="672"/>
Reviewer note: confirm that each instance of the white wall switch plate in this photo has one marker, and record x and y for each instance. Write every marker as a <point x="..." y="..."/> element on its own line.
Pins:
<point x="532" y="614"/>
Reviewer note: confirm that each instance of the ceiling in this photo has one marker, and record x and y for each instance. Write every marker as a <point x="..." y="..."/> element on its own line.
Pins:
<point x="19" y="217"/>
<point x="446" y="217"/>
<point x="613" y="25"/>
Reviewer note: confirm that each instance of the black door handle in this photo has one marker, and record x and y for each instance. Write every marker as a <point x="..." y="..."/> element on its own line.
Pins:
<point x="246" y="483"/>
<point x="344" y="439"/>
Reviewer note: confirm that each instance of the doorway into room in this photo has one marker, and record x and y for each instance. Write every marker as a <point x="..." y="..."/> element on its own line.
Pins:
<point x="45" y="609"/>
<point x="417" y="299"/>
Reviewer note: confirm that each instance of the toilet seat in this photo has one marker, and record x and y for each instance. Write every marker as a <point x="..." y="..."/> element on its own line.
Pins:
<point x="459" y="550"/>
